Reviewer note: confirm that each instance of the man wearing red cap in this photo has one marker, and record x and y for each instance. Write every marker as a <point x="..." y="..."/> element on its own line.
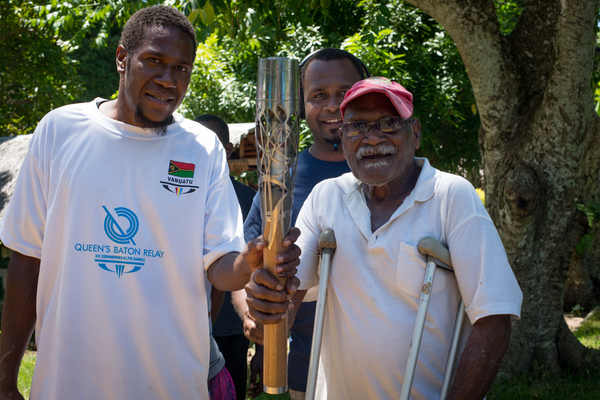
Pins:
<point x="379" y="213"/>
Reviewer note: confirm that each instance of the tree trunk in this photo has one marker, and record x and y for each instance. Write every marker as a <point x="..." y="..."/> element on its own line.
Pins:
<point x="540" y="150"/>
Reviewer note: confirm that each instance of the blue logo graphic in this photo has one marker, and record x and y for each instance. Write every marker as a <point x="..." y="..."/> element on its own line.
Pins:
<point x="123" y="260"/>
<point x="120" y="268"/>
<point x="120" y="235"/>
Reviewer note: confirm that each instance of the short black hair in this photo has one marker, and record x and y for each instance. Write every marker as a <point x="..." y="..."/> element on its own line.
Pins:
<point x="327" y="54"/>
<point x="158" y="15"/>
<point x="210" y="121"/>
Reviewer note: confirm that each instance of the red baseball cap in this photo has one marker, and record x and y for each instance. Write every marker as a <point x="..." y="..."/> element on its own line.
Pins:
<point x="400" y="97"/>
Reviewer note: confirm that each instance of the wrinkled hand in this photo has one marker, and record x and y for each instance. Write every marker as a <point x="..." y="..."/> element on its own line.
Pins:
<point x="256" y="370"/>
<point x="268" y="300"/>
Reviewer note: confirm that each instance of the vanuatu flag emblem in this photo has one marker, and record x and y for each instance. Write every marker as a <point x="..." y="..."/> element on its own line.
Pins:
<point x="181" y="169"/>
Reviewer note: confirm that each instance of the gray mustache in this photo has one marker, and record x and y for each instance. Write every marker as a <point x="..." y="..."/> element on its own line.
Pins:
<point x="380" y="149"/>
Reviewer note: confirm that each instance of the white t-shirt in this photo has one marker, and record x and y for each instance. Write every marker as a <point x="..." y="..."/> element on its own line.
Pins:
<point x="376" y="280"/>
<point x="125" y="222"/>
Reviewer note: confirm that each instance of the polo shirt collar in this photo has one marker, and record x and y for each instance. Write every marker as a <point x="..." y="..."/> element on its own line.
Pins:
<point x="356" y="204"/>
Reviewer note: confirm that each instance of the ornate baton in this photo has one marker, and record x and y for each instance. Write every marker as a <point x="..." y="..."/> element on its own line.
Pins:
<point x="277" y="134"/>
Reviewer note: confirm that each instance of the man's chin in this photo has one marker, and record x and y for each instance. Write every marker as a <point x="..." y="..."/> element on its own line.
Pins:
<point x="159" y="128"/>
<point x="334" y="140"/>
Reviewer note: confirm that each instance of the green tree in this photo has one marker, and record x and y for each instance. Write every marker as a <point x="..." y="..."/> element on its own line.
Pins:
<point x="540" y="151"/>
<point x="393" y="39"/>
<point x="55" y="54"/>
<point x="36" y="72"/>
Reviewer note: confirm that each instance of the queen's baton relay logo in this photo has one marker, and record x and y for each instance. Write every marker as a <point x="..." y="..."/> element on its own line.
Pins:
<point x="180" y="178"/>
<point x="115" y="232"/>
<point x="120" y="226"/>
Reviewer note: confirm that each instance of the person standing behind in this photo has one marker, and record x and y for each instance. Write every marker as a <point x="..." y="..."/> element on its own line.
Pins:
<point x="244" y="193"/>
<point x="122" y="213"/>
<point x="325" y="77"/>
<point x="228" y="330"/>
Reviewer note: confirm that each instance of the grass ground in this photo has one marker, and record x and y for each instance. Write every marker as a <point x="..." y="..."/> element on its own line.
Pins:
<point x="26" y="373"/>
<point x="542" y="385"/>
<point x="539" y="384"/>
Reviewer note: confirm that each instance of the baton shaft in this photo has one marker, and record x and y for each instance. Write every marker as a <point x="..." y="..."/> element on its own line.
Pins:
<point x="277" y="133"/>
<point x="275" y="335"/>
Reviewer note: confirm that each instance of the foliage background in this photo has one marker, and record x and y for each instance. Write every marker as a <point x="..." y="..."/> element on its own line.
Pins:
<point x="59" y="53"/>
<point x="62" y="52"/>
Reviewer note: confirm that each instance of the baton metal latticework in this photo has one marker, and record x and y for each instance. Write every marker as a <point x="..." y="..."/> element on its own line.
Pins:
<point x="277" y="136"/>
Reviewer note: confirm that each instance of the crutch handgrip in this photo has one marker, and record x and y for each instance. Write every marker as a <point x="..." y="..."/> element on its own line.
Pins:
<point x="327" y="241"/>
<point x="429" y="246"/>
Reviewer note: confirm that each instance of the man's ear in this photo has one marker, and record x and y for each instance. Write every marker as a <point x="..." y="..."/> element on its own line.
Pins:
<point x="228" y="149"/>
<point x="342" y="144"/>
<point x="416" y="130"/>
<point x="121" y="59"/>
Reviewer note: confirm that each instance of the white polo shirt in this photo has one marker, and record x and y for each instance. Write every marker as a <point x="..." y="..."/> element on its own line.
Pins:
<point x="376" y="281"/>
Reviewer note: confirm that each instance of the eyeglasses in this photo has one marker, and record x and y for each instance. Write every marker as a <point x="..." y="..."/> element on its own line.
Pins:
<point x="385" y="125"/>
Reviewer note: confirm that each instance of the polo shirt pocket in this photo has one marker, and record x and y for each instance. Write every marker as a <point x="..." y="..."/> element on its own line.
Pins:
<point x="410" y="272"/>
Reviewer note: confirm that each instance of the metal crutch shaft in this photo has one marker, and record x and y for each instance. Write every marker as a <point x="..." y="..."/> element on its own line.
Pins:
<point x="327" y="246"/>
<point x="449" y="371"/>
<point x="436" y="254"/>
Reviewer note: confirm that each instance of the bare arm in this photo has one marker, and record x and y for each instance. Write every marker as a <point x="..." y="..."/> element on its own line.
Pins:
<point x="18" y="320"/>
<point x="232" y="271"/>
<point x="480" y="361"/>
<point x="238" y="298"/>
<point x="217" y="298"/>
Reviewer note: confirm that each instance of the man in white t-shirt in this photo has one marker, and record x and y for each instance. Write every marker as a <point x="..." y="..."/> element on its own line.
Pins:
<point x="379" y="213"/>
<point x="122" y="214"/>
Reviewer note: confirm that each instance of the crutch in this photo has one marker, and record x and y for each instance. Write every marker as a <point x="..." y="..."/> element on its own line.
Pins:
<point x="437" y="255"/>
<point x="327" y="247"/>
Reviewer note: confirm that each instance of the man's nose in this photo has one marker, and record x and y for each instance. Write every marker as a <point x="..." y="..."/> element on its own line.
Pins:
<point x="166" y="77"/>
<point x="373" y="135"/>
<point x="333" y="104"/>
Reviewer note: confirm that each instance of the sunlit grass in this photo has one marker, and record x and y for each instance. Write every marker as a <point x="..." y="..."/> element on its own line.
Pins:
<point x="589" y="332"/>
<point x="26" y="373"/>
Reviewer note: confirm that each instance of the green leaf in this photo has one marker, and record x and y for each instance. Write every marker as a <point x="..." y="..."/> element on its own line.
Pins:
<point x="385" y="11"/>
<point x="382" y="21"/>
<point x="209" y="13"/>
<point x="193" y="16"/>
<point x="219" y="3"/>
<point x="586" y="242"/>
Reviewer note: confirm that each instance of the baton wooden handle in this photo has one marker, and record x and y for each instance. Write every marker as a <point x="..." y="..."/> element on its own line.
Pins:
<point x="275" y="335"/>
